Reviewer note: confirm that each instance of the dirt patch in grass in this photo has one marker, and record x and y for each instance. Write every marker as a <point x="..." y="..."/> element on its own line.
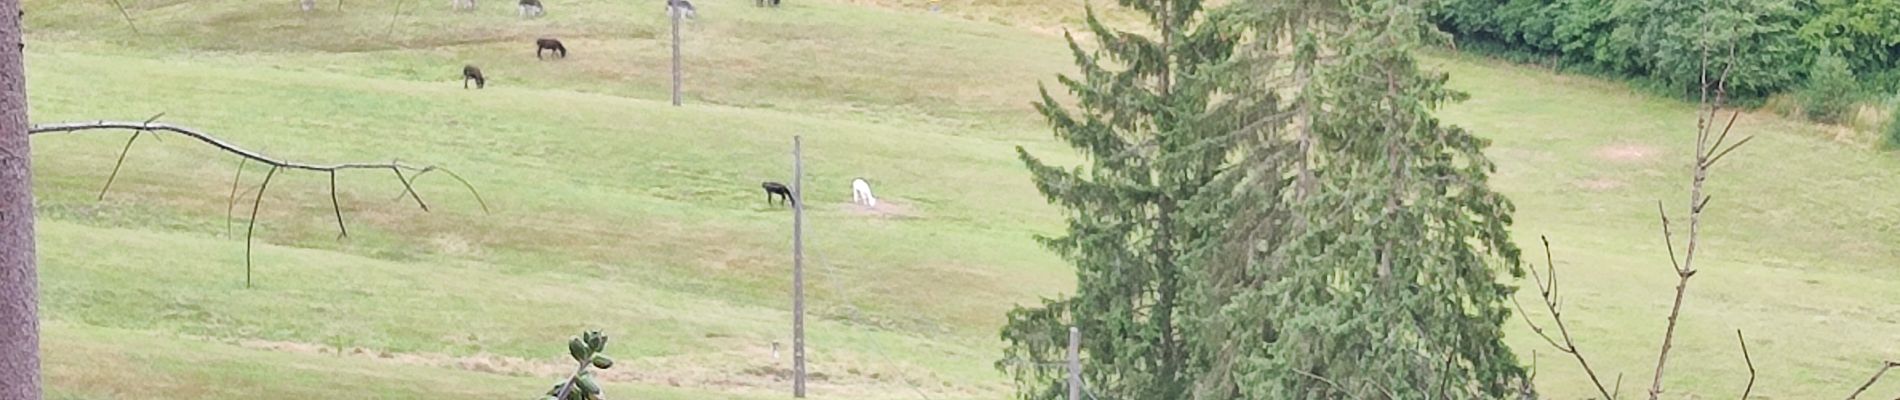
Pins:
<point x="1600" y="184"/>
<point x="1626" y="153"/>
<point x="743" y="368"/>
<point x="886" y="208"/>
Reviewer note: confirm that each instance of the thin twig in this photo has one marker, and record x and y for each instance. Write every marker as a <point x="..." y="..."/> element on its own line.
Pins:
<point x="409" y="190"/>
<point x="1718" y="156"/>
<point x="248" y="232"/>
<point x="1569" y="345"/>
<point x="1876" y="378"/>
<point x="458" y="178"/>
<point x="1751" y="364"/>
<point x="232" y="201"/>
<point x="128" y="18"/>
<point x="1669" y="242"/>
<point x="338" y="207"/>
<point x="116" y="165"/>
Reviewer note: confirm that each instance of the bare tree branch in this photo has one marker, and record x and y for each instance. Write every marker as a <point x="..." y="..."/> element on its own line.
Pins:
<point x="1751" y="364"/>
<point x="245" y="156"/>
<point x="1876" y="378"/>
<point x="1548" y="290"/>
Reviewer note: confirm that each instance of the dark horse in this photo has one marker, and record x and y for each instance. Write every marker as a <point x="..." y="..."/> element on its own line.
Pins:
<point x="470" y="73"/>
<point x="551" y="45"/>
<point x="778" y="189"/>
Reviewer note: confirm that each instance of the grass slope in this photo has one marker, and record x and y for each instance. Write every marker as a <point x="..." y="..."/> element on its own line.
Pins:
<point x="614" y="210"/>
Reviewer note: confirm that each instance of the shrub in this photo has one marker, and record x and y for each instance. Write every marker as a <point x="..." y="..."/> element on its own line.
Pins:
<point x="1893" y="125"/>
<point x="1829" y="93"/>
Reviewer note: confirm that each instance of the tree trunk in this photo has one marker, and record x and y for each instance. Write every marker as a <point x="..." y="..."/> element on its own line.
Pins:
<point x="19" y="299"/>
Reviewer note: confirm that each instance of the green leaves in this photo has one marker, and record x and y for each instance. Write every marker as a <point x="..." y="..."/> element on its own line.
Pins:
<point x="578" y="348"/>
<point x="602" y="361"/>
<point x="586" y="350"/>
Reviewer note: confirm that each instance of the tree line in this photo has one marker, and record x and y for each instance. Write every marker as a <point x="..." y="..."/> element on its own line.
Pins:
<point x="1780" y="45"/>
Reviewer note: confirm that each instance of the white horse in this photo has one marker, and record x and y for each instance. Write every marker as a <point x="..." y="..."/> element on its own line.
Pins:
<point x="861" y="193"/>
<point x="531" y="8"/>
<point x="684" y="7"/>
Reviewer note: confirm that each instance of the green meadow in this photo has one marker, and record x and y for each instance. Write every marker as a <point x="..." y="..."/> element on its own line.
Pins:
<point x="610" y="209"/>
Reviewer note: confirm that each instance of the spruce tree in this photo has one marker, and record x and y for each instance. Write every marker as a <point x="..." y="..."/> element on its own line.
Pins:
<point x="1369" y="257"/>
<point x="1144" y="117"/>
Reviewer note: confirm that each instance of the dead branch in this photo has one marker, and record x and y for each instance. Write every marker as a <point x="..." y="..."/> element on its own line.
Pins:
<point x="1751" y="364"/>
<point x="245" y="156"/>
<point x="1548" y="291"/>
<point x="1876" y="378"/>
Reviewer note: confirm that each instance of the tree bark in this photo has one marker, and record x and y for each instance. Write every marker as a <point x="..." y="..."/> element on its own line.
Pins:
<point x="19" y="283"/>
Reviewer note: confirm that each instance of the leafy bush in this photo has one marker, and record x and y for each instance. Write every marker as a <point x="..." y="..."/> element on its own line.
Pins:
<point x="1659" y="43"/>
<point x="1893" y="125"/>
<point x="1830" y="92"/>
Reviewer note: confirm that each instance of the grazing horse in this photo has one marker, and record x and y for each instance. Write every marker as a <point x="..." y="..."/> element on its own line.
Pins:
<point x="684" y="7"/>
<point x="470" y="73"/>
<point x="861" y="193"/>
<point x="531" y="8"/>
<point x="778" y="189"/>
<point x="551" y="45"/>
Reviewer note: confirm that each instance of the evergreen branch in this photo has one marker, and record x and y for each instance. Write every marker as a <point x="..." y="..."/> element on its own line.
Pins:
<point x="1335" y="385"/>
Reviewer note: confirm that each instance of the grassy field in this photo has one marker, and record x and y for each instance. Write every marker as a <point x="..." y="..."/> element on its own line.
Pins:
<point x="613" y="210"/>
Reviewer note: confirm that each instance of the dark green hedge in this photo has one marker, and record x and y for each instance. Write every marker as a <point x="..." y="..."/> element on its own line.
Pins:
<point x="1656" y="41"/>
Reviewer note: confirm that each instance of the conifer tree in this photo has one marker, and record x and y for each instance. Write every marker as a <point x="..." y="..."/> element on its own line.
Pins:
<point x="1377" y="275"/>
<point x="1145" y="111"/>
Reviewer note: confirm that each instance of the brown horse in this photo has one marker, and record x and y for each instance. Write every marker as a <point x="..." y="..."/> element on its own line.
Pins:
<point x="551" y="45"/>
<point x="779" y="189"/>
<point x="470" y="73"/>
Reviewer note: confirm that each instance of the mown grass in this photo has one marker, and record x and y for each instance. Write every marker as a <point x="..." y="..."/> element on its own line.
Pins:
<point x="653" y="211"/>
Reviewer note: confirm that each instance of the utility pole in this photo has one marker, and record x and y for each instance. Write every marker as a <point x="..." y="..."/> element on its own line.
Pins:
<point x="1075" y="364"/>
<point x="798" y="271"/>
<point x="673" y="11"/>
